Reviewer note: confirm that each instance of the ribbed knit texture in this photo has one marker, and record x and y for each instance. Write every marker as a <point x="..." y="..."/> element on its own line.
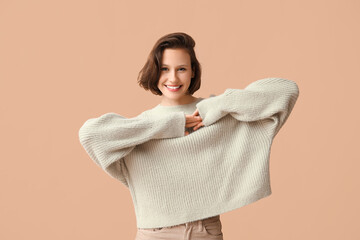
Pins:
<point x="220" y="167"/>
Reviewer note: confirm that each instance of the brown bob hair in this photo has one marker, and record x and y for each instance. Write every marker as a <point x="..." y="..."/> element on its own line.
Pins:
<point x="150" y="73"/>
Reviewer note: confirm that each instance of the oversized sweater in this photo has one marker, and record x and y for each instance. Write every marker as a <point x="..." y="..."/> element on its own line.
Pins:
<point x="175" y="178"/>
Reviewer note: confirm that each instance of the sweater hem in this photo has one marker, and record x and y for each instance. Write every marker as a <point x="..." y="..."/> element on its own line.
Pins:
<point x="213" y="211"/>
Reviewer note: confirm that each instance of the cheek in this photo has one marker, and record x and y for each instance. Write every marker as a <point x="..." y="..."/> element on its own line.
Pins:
<point x="160" y="82"/>
<point x="186" y="76"/>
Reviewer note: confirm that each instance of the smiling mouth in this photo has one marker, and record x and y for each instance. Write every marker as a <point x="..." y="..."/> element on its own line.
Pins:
<point x="173" y="87"/>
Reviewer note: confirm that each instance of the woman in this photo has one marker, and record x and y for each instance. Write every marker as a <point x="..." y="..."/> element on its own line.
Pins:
<point x="187" y="160"/>
<point x="178" y="79"/>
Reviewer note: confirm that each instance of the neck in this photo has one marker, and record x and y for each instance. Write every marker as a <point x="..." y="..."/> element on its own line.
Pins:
<point x="174" y="102"/>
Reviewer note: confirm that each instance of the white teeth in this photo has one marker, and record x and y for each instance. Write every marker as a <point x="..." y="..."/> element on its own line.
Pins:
<point x="172" y="87"/>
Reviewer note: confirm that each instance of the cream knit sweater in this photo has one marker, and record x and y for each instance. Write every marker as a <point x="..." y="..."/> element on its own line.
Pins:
<point x="220" y="167"/>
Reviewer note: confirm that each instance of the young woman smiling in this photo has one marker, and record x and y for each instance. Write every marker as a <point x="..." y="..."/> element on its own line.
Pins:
<point x="189" y="159"/>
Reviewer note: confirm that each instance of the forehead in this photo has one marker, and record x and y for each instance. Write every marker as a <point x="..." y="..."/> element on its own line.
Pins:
<point x="175" y="56"/>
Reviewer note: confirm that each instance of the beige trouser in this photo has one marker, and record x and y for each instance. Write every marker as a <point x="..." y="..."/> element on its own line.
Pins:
<point x="209" y="228"/>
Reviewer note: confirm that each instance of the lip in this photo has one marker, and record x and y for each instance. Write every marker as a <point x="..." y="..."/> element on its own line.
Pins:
<point x="173" y="90"/>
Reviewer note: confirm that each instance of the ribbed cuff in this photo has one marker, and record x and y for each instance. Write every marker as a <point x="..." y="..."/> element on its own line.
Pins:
<point x="209" y="109"/>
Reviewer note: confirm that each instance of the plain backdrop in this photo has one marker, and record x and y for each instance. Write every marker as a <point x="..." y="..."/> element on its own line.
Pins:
<point x="63" y="62"/>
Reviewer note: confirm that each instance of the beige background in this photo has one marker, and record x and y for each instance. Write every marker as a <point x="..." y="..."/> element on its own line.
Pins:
<point x="62" y="62"/>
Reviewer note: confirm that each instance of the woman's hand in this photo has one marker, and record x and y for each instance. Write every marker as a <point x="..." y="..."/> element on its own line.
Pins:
<point x="194" y="120"/>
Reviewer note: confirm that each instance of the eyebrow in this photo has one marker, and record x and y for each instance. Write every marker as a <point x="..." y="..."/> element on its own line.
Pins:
<point x="178" y="65"/>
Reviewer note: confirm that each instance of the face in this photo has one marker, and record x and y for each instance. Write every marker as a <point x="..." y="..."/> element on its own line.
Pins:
<point x="175" y="71"/>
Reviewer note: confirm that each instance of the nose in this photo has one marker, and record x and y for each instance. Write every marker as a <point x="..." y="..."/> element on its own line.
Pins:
<point x="172" y="77"/>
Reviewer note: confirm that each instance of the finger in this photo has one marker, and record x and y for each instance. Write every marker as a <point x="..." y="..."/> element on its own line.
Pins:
<point x="194" y="115"/>
<point x="194" y="119"/>
<point x="192" y="124"/>
<point x="201" y="124"/>
<point x="196" y="112"/>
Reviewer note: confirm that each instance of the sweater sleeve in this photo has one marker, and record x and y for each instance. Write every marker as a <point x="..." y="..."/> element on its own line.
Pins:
<point x="268" y="99"/>
<point x="109" y="138"/>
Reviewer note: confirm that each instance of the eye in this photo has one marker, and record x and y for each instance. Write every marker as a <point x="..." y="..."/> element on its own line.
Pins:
<point x="163" y="68"/>
<point x="183" y="68"/>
